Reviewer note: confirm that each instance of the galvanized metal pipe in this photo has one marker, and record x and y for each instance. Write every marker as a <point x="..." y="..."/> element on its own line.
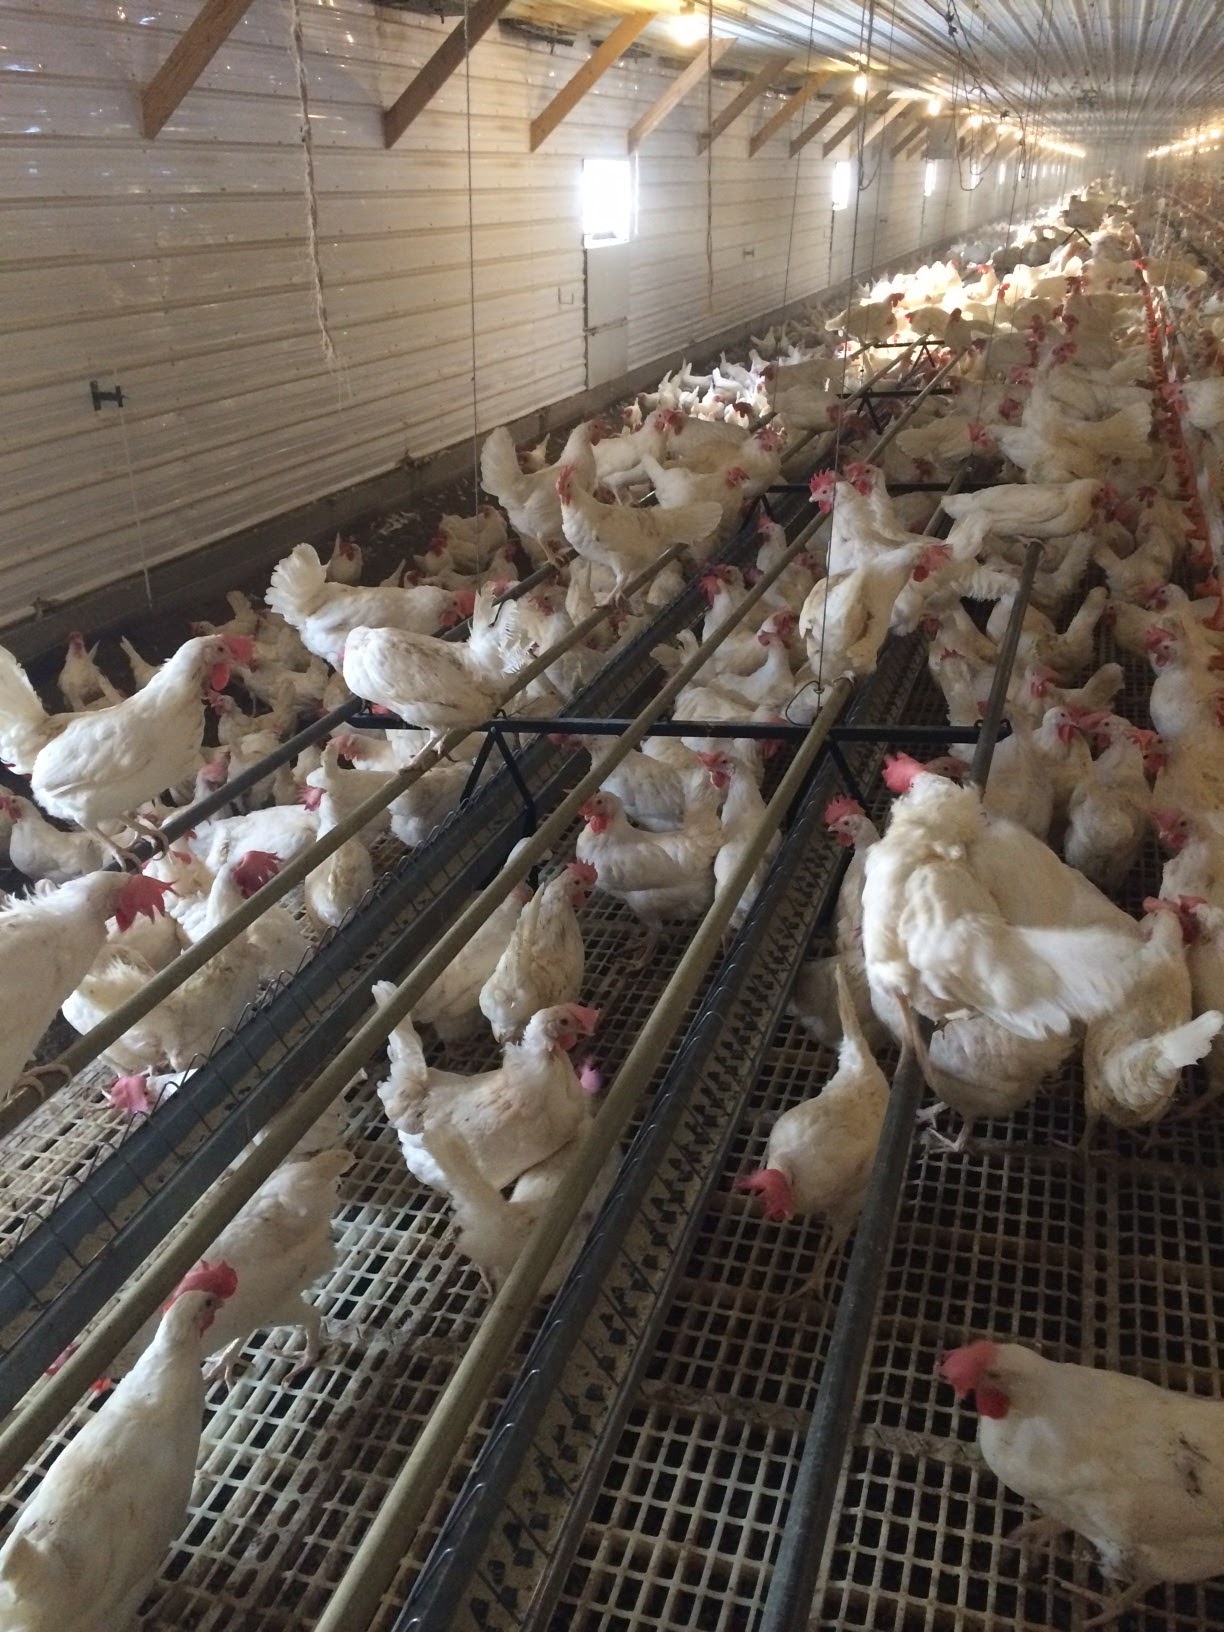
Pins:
<point x="24" y="1102"/>
<point x="184" y="820"/>
<point x="372" y="1570"/>
<point x="38" y="1416"/>
<point x="792" y="1588"/>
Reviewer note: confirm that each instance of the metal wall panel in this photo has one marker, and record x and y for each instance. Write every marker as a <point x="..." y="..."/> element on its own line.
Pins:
<point x="179" y="268"/>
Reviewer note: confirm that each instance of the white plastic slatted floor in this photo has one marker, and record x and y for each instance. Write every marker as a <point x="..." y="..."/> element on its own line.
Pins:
<point x="292" y="1469"/>
<point x="1113" y="1257"/>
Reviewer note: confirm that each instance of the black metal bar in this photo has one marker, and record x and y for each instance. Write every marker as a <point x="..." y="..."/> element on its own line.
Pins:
<point x="530" y="820"/>
<point x="435" y="1595"/>
<point x="979" y="770"/>
<point x="847" y="775"/>
<point x="183" y="821"/>
<point x="576" y="726"/>
<point x="130" y="1182"/>
<point x="788" y="1607"/>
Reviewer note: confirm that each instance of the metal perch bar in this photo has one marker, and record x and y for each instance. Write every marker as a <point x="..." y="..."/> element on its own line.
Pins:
<point x="788" y="1607"/>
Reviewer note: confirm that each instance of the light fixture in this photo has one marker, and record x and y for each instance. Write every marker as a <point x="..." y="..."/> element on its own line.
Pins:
<point x="976" y="121"/>
<point x="860" y="84"/>
<point x="934" y="106"/>
<point x="689" y="26"/>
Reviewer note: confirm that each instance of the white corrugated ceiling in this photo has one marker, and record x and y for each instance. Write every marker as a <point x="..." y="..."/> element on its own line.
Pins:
<point x="1098" y="71"/>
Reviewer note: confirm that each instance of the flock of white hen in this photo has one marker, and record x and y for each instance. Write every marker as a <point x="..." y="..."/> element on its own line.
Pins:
<point x="961" y="911"/>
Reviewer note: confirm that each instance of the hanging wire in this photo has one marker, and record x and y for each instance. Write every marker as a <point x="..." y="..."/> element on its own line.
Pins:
<point x="471" y="226"/>
<point x="131" y="476"/>
<point x="709" y="177"/>
<point x="306" y="137"/>
<point x="790" y="236"/>
<point x="866" y="27"/>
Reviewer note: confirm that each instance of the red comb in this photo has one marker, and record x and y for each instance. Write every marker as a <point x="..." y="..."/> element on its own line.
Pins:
<point x="963" y="1367"/>
<point x="838" y="809"/>
<point x="221" y="1280"/>
<point x="139" y="896"/>
<point x="900" y="771"/>
<point x="585" y="1019"/>
<point x="254" y="870"/>
<point x="583" y="871"/>
<point x="773" y="1186"/>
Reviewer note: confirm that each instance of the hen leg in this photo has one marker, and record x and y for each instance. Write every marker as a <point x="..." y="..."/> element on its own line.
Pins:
<point x="927" y="1115"/>
<point x="834" y="1241"/>
<point x="223" y="1365"/>
<point x="33" y="1078"/>
<point x="127" y="859"/>
<point x="1040" y="1531"/>
<point x="647" y="949"/>
<point x="954" y="1147"/>
<point x="312" y="1351"/>
<point x="1113" y="1604"/>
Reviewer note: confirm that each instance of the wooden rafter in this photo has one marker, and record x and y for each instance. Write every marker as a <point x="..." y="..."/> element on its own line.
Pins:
<point x="838" y="105"/>
<point x="880" y="125"/>
<point x="912" y="141"/>
<point x="788" y="110"/>
<point x="913" y="124"/>
<point x="868" y="108"/>
<point x="756" y="86"/>
<point x="592" y="70"/>
<point x="702" y="64"/>
<point x="417" y="96"/>
<point x="213" y="24"/>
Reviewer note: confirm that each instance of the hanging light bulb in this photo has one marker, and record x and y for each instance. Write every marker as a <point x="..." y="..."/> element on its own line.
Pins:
<point x="934" y="106"/>
<point x="860" y="84"/>
<point x="689" y="26"/>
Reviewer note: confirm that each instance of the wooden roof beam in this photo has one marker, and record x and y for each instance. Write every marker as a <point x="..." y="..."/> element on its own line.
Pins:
<point x="867" y="108"/>
<point x="592" y="70"/>
<point x="913" y="125"/>
<point x="702" y="64"/>
<point x="756" y="86"/>
<point x="214" y="23"/>
<point x="417" y="96"/>
<point x="839" y="104"/>
<point x="913" y="140"/>
<point x="789" y="108"/>
<point x="880" y="125"/>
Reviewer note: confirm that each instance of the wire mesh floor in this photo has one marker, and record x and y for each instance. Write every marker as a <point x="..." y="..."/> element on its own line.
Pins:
<point x="1112" y="1257"/>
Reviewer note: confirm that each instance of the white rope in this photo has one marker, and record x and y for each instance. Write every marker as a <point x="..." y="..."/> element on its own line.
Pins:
<point x="140" y="538"/>
<point x="471" y="226"/>
<point x="312" y="203"/>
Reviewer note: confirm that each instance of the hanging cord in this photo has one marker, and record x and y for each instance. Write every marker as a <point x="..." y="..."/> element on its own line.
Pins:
<point x="790" y="236"/>
<point x="709" y="80"/>
<point x="866" y="24"/>
<point x="306" y="138"/>
<point x="471" y="225"/>
<point x="131" y="476"/>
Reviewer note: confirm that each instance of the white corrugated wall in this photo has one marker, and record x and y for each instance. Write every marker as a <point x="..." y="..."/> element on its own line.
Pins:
<point x="179" y="268"/>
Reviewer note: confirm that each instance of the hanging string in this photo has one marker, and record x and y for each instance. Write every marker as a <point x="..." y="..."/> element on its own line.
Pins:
<point x="790" y="236"/>
<point x="471" y="225"/>
<point x="140" y="538"/>
<point x="306" y="138"/>
<point x="709" y="79"/>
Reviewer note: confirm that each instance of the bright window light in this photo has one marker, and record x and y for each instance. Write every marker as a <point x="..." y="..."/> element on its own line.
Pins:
<point x="842" y="179"/>
<point x="860" y="84"/>
<point x="1002" y="177"/>
<point x="975" y="172"/>
<point x="607" y="201"/>
<point x="929" y="178"/>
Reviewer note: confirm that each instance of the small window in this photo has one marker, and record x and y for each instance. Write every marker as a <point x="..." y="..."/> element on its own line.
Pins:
<point x="607" y="201"/>
<point x="1002" y="176"/>
<point x="929" y="178"/>
<point x="975" y="172"/>
<point x="842" y="178"/>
